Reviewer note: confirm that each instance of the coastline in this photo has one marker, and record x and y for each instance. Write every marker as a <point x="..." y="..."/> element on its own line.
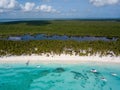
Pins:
<point x="64" y="59"/>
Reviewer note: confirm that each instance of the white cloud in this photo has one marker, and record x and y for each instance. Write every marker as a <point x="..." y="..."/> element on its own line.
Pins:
<point x="28" y="6"/>
<point x="104" y="2"/>
<point x="8" y="4"/>
<point x="14" y="5"/>
<point x="46" y="8"/>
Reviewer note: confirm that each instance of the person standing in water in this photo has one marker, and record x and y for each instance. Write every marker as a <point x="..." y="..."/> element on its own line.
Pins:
<point x="27" y="63"/>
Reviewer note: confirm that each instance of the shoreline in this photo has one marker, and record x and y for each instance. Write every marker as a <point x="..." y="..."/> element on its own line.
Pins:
<point x="64" y="59"/>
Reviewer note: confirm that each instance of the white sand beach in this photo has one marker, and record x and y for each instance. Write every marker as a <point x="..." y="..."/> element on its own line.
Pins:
<point x="59" y="59"/>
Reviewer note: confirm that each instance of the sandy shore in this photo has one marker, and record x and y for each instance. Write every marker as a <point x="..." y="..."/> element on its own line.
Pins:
<point x="59" y="59"/>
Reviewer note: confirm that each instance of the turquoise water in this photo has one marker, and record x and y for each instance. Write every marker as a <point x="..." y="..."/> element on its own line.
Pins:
<point x="59" y="77"/>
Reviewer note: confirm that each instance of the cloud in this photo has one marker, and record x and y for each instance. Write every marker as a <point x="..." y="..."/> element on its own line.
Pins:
<point x="8" y="4"/>
<point x="15" y="6"/>
<point x="104" y="2"/>
<point x="28" y="7"/>
<point x="46" y="8"/>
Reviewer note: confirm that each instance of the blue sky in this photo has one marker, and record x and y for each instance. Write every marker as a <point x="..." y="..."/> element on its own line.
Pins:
<point x="59" y="9"/>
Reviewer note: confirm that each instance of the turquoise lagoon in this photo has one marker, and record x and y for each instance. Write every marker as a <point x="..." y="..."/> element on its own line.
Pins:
<point x="59" y="76"/>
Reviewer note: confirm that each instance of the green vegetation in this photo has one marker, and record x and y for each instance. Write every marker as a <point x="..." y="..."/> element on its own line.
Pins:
<point x="58" y="47"/>
<point x="70" y="28"/>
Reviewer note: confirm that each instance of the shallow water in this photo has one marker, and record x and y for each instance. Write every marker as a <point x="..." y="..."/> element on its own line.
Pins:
<point x="59" y="77"/>
<point x="57" y="37"/>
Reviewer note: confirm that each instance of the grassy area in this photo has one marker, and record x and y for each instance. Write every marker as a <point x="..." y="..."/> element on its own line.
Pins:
<point x="71" y="28"/>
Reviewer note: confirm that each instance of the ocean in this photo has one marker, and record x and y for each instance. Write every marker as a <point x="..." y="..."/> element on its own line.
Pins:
<point x="79" y="19"/>
<point x="84" y="76"/>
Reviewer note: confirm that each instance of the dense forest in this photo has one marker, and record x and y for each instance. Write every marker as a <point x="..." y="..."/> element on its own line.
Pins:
<point x="58" y="47"/>
<point x="61" y="27"/>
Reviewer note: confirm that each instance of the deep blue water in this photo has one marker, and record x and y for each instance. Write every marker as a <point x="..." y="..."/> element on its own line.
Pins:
<point x="87" y="19"/>
<point x="57" y="37"/>
<point x="59" y="77"/>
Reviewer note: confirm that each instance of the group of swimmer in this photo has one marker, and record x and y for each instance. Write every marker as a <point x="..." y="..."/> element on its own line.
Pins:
<point x="103" y="78"/>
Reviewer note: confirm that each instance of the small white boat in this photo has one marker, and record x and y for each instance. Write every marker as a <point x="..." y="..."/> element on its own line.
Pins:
<point x="38" y="66"/>
<point x="113" y="74"/>
<point x="93" y="70"/>
<point x="104" y="79"/>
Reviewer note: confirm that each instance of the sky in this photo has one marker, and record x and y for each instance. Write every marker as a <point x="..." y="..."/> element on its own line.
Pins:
<point x="83" y="9"/>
